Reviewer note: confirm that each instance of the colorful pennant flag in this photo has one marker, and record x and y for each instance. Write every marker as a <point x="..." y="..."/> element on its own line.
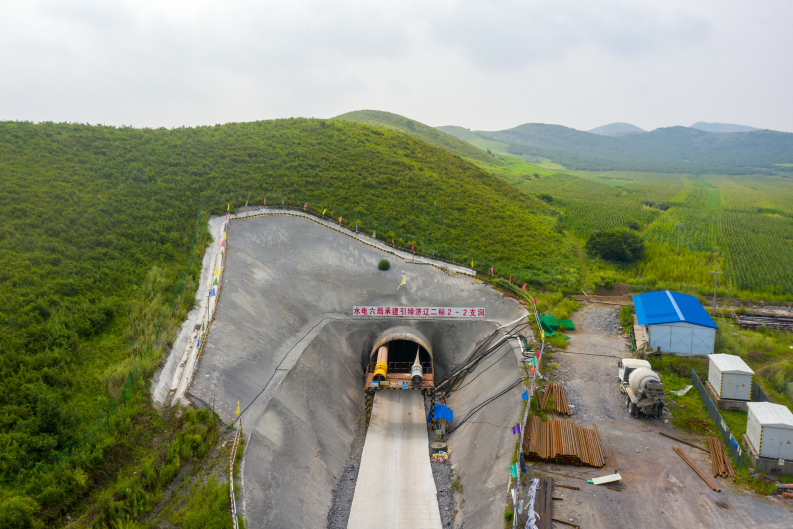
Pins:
<point x="525" y="395"/>
<point x="531" y="371"/>
<point x="339" y="220"/>
<point x="433" y="253"/>
<point x="510" y="279"/>
<point x="238" y="407"/>
<point x="305" y="205"/>
<point x="211" y="292"/>
<point x="411" y="248"/>
<point x="217" y="272"/>
<point x="472" y="263"/>
<point x="265" y="201"/>
<point x="228" y="206"/>
<point x="215" y="282"/>
<point x="404" y="282"/>
<point x="282" y="201"/>
<point x="323" y="211"/>
<point x="524" y="286"/>
<point x="491" y="270"/>
<point x="513" y="471"/>
<point x="516" y="429"/>
<point x="222" y="243"/>
<point x="224" y="235"/>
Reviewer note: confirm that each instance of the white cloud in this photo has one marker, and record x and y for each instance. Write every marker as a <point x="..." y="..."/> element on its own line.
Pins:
<point x="482" y="65"/>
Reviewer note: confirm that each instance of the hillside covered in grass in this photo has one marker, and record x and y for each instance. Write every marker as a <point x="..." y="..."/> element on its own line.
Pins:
<point x="423" y="132"/>
<point x="103" y="230"/>
<point x="670" y="149"/>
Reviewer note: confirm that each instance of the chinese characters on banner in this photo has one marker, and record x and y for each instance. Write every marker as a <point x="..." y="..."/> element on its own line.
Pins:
<point x="421" y="312"/>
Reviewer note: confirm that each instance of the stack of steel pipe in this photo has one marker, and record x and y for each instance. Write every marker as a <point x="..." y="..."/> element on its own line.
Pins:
<point x="559" y="399"/>
<point x="563" y="442"/>
<point x="696" y="469"/>
<point x="718" y="458"/>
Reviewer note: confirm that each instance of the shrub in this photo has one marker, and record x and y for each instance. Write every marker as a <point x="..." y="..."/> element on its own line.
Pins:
<point x="626" y="316"/>
<point x="384" y="264"/>
<point x="545" y="197"/>
<point x="616" y="245"/>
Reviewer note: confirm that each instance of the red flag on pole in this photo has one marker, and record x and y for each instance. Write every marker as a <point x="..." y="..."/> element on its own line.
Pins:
<point x="535" y="302"/>
<point x="411" y="248"/>
<point x="265" y="201"/>
<point x="305" y="205"/>
<point x="339" y="220"/>
<point x="532" y="370"/>
<point x="491" y="269"/>
<point x="510" y="279"/>
<point x="392" y="242"/>
<point x="524" y="286"/>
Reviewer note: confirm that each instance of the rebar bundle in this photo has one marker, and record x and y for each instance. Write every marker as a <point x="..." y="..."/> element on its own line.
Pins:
<point x="718" y="458"/>
<point x="696" y="469"/>
<point x="558" y="399"/>
<point x="562" y="442"/>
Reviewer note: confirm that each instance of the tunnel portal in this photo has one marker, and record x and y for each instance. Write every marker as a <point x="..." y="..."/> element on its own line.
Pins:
<point x="401" y="358"/>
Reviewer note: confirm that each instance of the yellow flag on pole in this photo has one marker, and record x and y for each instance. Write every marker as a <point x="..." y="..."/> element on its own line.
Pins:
<point x="224" y="234"/>
<point x="404" y="282"/>
<point x="324" y="210"/>
<point x="217" y="271"/>
<point x="228" y="206"/>
<point x="472" y="263"/>
<point x="238" y="407"/>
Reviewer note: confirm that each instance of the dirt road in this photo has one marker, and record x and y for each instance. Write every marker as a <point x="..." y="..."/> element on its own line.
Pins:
<point x="659" y="489"/>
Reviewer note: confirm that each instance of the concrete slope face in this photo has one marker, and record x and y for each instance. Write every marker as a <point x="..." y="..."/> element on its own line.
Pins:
<point x="286" y="344"/>
<point x="395" y="486"/>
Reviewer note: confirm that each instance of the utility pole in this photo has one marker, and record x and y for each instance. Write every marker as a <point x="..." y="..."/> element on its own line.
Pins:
<point x="679" y="225"/>
<point x="715" y="282"/>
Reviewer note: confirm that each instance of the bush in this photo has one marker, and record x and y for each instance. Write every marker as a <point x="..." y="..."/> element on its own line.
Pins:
<point x="616" y="245"/>
<point x="383" y="264"/>
<point x="545" y="197"/>
<point x="626" y="316"/>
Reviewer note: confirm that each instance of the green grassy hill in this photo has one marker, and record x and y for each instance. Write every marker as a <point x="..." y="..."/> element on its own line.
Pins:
<point x="475" y="140"/>
<point x="423" y="132"/>
<point x="672" y="149"/>
<point x="100" y="246"/>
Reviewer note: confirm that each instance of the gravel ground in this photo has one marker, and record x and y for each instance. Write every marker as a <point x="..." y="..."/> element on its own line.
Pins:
<point x="657" y="488"/>
<point x="443" y="474"/>
<point x="344" y="490"/>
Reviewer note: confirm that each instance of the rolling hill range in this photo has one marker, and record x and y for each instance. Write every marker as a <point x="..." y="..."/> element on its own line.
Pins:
<point x="721" y="127"/>
<point x="616" y="128"/>
<point x="431" y="135"/>
<point x="672" y="149"/>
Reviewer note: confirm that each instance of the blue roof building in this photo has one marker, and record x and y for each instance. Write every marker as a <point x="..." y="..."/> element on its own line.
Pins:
<point x="675" y="322"/>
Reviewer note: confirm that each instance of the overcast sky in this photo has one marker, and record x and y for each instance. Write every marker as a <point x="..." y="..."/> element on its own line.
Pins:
<point x="482" y="65"/>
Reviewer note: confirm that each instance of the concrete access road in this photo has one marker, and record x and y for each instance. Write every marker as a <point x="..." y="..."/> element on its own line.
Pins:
<point x="395" y="487"/>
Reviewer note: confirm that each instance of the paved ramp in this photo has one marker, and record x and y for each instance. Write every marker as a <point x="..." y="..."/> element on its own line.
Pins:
<point x="395" y="488"/>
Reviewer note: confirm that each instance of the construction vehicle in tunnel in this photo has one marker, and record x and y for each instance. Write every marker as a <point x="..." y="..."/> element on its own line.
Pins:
<point x="401" y="358"/>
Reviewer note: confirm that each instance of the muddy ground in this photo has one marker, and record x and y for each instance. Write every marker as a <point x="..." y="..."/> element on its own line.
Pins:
<point x="658" y="489"/>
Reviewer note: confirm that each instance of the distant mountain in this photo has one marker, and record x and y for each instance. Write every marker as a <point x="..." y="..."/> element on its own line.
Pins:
<point x="421" y="131"/>
<point x="721" y="127"/>
<point x="672" y="149"/>
<point x="616" y="128"/>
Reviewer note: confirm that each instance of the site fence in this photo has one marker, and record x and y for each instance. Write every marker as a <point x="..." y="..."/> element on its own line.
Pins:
<point x="743" y="459"/>
<point x="464" y="261"/>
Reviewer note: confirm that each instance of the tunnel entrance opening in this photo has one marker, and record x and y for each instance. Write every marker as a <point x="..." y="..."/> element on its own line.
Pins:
<point x="402" y="355"/>
<point x="401" y="358"/>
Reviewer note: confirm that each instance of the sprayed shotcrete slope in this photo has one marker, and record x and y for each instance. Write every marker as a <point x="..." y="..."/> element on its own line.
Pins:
<point x="284" y="343"/>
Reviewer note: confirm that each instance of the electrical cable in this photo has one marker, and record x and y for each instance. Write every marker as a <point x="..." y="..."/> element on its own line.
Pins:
<point x="479" y="407"/>
<point x="485" y="369"/>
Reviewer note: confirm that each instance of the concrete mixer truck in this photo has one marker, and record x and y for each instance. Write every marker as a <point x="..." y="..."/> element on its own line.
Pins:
<point x="643" y="388"/>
